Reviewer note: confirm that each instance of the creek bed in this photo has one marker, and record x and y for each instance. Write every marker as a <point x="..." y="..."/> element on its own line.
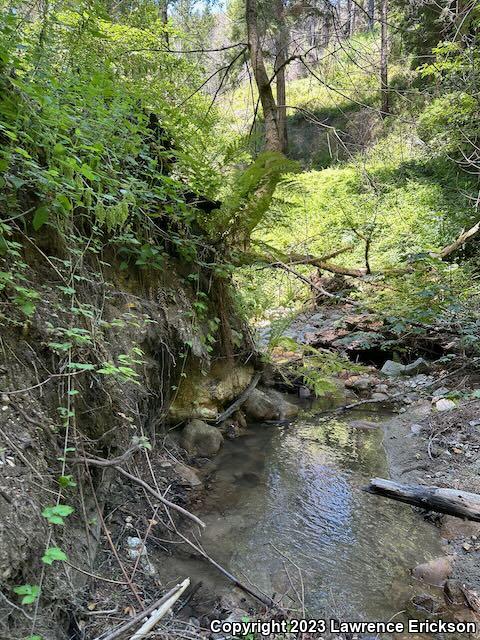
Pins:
<point x="294" y="492"/>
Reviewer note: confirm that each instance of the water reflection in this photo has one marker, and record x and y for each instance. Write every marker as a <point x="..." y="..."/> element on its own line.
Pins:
<point x="295" y="492"/>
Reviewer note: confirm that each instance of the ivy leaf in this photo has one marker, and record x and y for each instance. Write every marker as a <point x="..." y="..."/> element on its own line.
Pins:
<point x="40" y="217"/>
<point x="81" y="366"/>
<point x="57" y="513"/>
<point x="30" y="592"/>
<point x="52" y="554"/>
<point x="67" y="481"/>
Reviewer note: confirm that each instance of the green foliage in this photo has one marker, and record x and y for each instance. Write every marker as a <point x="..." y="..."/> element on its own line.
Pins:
<point x="29" y="592"/>
<point x="249" y="198"/>
<point x="53" y="554"/>
<point x="56" y="514"/>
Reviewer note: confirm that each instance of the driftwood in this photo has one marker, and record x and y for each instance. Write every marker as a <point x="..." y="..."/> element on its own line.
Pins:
<point x="240" y="400"/>
<point x="461" y="504"/>
<point x="158" y="614"/>
<point x="140" y="616"/>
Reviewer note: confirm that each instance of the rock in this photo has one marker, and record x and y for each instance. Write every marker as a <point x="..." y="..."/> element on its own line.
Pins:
<point x="201" y="439"/>
<point x="363" y="424"/>
<point x="379" y="397"/>
<point x="286" y="410"/>
<point x="392" y="368"/>
<point x="382" y="388"/>
<point x="418" y="366"/>
<point x="259" y="407"/>
<point x="434" y="572"/>
<point x="395" y="369"/>
<point x="445" y="405"/>
<point x="136" y="548"/>
<point x="362" y="384"/>
<point x="415" y="429"/>
<point x="188" y="476"/>
<point x="304" y="392"/>
<point x="204" y="396"/>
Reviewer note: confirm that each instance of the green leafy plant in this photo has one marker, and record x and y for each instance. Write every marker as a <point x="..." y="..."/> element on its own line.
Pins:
<point x="29" y="592"/>
<point x="53" y="554"/>
<point x="56" y="514"/>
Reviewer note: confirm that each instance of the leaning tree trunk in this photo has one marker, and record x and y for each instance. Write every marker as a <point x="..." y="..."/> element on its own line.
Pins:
<point x="281" y="45"/>
<point x="384" y="58"/>
<point x="272" y="137"/>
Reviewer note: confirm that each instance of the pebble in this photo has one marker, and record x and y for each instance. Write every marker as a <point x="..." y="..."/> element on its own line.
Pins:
<point x="445" y="405"/>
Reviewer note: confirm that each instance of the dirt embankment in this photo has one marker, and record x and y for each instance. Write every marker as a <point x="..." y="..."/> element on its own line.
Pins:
<point x="93" y="374"/>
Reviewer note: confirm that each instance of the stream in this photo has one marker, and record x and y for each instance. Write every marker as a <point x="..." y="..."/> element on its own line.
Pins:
<point x="286" y="499"/>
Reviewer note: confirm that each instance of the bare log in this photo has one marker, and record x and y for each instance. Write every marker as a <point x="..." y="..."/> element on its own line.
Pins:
<point x="461" y="504"/>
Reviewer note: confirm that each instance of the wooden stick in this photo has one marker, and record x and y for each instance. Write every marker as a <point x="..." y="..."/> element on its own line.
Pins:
<point x="139" y="617"/>
<point x="461" y="504"/>
<point x="240" y="400"/>
<point x="158" y="614"/>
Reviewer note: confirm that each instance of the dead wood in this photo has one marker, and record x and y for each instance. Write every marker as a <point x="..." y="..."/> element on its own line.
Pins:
<point x="454" y="502"/>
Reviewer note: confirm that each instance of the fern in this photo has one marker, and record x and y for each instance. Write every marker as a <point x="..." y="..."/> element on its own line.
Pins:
<point x="250" y="197"/>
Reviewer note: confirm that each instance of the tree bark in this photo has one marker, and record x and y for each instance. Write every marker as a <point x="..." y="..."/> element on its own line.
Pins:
<point x="281" y="45"/>
<point x="272" y="137"/>
<point x="384" y="58"/>
<point x="451" y="501"/>
<point x="371" y="14"/>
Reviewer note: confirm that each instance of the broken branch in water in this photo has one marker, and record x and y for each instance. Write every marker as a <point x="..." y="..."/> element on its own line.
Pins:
<point x="461" y="504"/>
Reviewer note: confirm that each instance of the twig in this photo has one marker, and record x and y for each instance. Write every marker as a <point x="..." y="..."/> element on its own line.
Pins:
<point x="158" y="614"/>
<point x="131" y="623"/>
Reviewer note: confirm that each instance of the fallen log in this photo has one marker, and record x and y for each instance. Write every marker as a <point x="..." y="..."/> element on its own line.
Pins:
<point x="461" y="504"/>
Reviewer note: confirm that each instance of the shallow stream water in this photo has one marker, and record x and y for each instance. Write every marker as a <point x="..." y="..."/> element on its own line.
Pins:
<point x="289" y="499"/>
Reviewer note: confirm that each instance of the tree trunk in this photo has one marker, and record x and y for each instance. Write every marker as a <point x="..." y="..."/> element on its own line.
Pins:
<point x="281" y="45"/>
<point x="384" y="59"/>
<point x="163" y="9"/>
<point x="349" y="21"/>
<point x="371" y="14"/>
<point x="452" y="501"/>
<point x="272" y="138"/>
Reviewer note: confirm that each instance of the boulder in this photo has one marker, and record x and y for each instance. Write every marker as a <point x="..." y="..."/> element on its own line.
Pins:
<point x="286" y="410"/>
<point x="379" y="397"/>
<point x="201" y="439"/>
<point x="259" y="406"/>
<point x="418" y="366"/>
<point x="392" y="368"/>
<point x="395" y="369"/>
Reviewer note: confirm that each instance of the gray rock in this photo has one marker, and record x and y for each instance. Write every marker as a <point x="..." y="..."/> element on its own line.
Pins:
<point x="445" y="405"/>
<point x="201" y="439"/>
<point x="379" y="397"/>
<point x="392" y="368"/>
<point x="395" y="369"/>
<point x="259" y="406"/>
<point x="188" y="476"/>
<point x="286" y="410"/>
<point x="418" y="366"/>
<point x="415" y="429"/>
